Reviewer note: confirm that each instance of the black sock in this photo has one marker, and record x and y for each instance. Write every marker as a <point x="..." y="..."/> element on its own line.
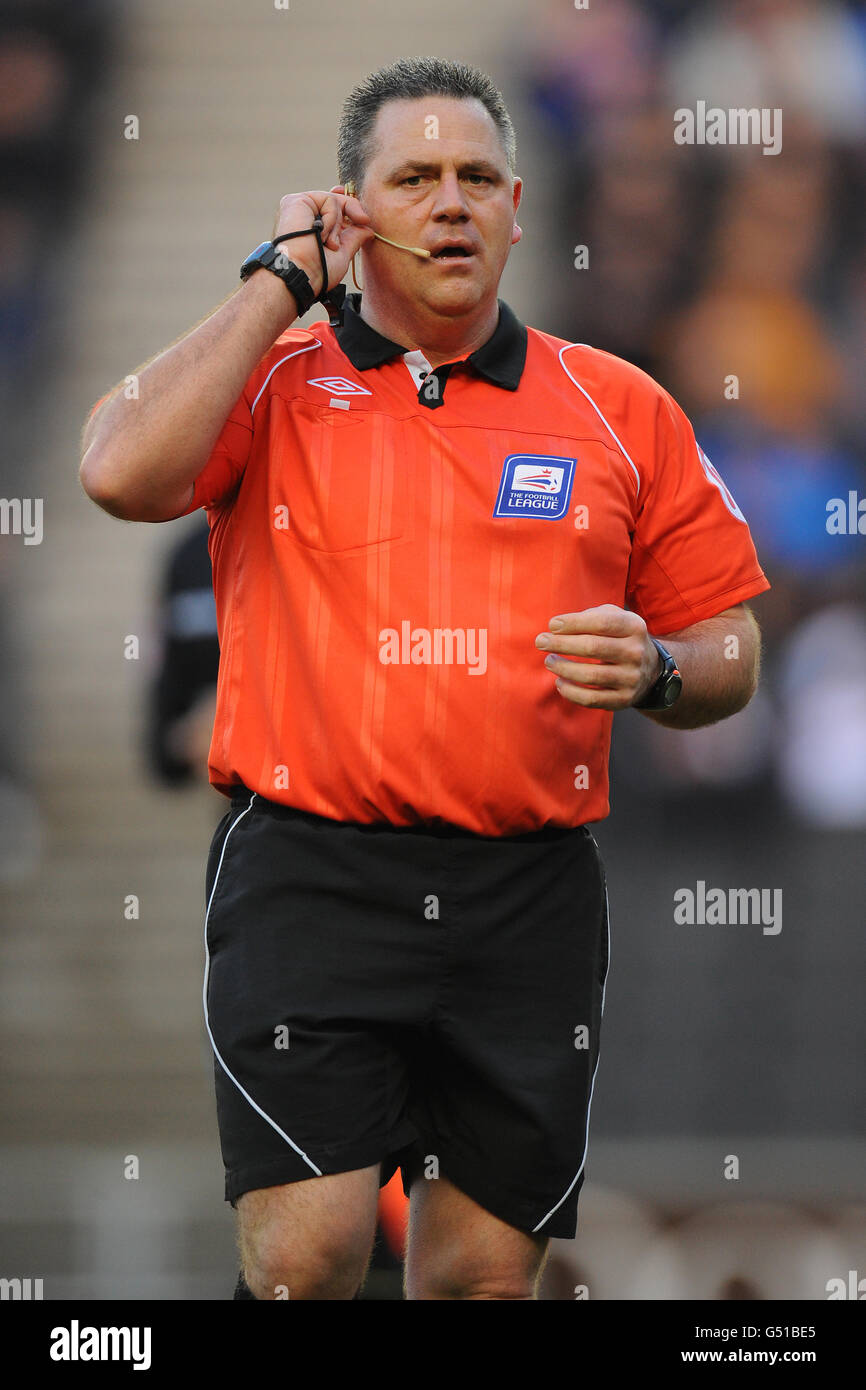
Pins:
<point x="242" y="1289"/>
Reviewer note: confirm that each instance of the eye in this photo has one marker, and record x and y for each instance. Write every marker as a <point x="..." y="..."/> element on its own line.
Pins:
<point x="479" y="178"/>
<point x="410" y="179"/>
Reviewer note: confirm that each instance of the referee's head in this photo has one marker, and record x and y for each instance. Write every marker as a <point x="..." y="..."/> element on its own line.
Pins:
<point x="430" y="148"/>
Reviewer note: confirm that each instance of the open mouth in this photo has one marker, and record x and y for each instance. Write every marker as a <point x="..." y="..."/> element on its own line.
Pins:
<point x="453" y="253"/>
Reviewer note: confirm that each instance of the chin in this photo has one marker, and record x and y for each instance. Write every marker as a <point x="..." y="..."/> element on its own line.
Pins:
<point x="454" y="299"/>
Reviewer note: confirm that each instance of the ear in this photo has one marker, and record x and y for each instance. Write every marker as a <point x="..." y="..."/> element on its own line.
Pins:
<point x="517" y="193"/>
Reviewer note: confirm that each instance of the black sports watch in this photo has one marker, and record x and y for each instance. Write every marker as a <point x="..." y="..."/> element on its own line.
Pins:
<point x="666" y="690"/>
<point x="268" y="257"/>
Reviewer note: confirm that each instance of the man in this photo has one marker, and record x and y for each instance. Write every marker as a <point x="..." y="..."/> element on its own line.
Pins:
<point x="182" y="694"/>
<point x="406" y="931"/>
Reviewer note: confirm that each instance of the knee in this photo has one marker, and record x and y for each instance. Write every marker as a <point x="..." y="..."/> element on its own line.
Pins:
<point x="331" y="1266"/>
<point x="466" y="1286"/>
<point x="462" y="1278"/>
<point x="493" y="1288"/>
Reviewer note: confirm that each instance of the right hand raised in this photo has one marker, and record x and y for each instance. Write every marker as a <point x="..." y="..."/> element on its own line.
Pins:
<point x="346" y="228"/>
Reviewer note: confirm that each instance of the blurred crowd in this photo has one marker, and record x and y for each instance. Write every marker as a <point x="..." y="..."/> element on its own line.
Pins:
<point x="733" y="1251"/>
<point x="738" y="280"/>
<point x="53" y="62"/>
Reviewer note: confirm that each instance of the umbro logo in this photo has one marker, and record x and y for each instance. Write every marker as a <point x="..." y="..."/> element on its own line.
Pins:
<point x="339" y="386"/>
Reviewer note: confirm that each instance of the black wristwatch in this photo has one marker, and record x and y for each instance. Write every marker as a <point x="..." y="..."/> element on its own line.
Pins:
<point x="268" y="257"/>
<point x="666" y="690"/>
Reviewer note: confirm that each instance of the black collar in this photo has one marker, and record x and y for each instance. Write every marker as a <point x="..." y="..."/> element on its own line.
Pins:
<point x="501" y="359"/>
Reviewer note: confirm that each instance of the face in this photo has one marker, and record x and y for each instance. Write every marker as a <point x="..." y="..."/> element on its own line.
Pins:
<point x="437" y="174"/>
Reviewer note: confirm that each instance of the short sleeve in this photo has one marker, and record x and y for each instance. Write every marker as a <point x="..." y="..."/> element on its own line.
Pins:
<point x="219" y="479"/>
<point x="692" y="551"/>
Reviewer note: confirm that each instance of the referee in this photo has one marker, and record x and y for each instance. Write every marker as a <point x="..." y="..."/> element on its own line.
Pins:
<point x="446" y="548"/>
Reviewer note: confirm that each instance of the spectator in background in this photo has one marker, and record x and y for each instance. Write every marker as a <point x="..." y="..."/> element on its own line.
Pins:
<point x="758" y="365"/>
<point x="592" y="77"/>
<point x="755" y="358"/>
<point x="633" y="215"/>
<point x="53" y="59"/>
<point x="807" y="56"/>
<point x="705" y="265"/>
<point x="182" y="696"/>
<point x="822" y="749"/>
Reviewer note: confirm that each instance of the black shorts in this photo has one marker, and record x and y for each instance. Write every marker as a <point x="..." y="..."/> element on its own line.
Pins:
<point x="420" y="997"/>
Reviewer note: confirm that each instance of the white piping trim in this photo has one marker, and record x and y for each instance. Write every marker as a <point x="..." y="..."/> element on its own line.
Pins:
<point x="217" y="1054"/>
<point x="592" y="1087"/>
<point x="297" y="351"/>
<point x="584" y="392"/>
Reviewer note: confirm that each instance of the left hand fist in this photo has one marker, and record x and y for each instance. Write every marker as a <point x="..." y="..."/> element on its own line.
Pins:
<point x="607" y="660"/>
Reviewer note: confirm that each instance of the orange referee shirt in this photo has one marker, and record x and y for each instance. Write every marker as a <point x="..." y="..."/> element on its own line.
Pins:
<point x="386" y="545"/>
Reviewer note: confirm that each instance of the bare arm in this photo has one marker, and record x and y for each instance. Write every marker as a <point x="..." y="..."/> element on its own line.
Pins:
<point x="140" y="456"/>
<point x="608" y="651"/>
<point x="720" y="662"/>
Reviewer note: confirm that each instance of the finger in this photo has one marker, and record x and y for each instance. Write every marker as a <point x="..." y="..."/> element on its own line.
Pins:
<point x="605" y="677"/>
<point x="308" y="204"/>
<point x="592" y="699"/>
<point x="599" y="648"/>
<point x="606" y="620"/>
<point x="352" y="209"/>
<point x="331" y="210"/>
<point x="352" y="218"/>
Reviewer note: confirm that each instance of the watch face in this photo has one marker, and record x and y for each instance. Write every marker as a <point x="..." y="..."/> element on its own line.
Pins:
<point x="672" y="690"/>
<point x="255" y="258"/>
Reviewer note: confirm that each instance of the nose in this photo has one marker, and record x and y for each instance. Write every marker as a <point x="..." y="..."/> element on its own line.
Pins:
<point x="450" y="202"/>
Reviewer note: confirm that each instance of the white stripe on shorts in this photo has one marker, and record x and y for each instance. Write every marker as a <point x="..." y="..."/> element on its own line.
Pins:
<point x="217" y="1054"/>
<point x="592" y="1086"/>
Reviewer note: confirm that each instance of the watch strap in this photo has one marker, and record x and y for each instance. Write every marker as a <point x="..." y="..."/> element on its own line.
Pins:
<point x="315" y="230"/>
<point x="296" y="280"/>
<point x="654" y="697"/>
<point x="267" y="257"/>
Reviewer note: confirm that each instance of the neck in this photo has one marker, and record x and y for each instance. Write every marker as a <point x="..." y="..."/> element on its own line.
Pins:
<point x="440" y="338"/>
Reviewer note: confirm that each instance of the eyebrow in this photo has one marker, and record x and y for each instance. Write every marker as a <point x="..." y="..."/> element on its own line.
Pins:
<point x="420" y="166"/>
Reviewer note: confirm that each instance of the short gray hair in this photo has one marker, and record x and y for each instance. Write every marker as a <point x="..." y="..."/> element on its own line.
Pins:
<point x="406" y="79"/>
